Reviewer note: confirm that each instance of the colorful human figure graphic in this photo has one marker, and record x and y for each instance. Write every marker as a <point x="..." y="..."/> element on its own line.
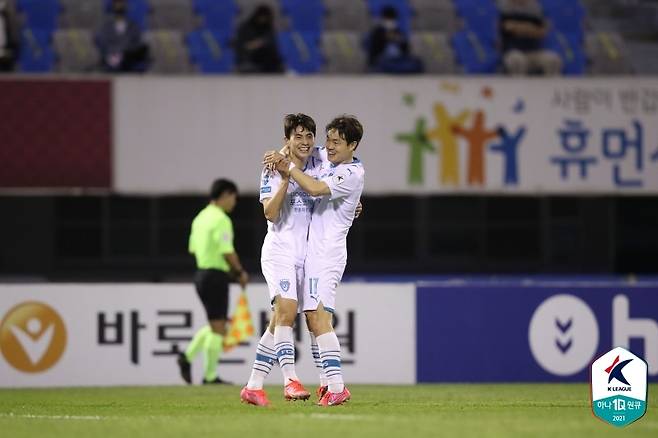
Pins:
<point x="418" y="144"/>
<point x="444" y="134"/>
<point x="478" y="137"/>
<point x="508" y="146"/>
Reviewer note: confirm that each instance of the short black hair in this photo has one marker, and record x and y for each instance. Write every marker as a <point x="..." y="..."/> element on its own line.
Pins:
<point x="292" y="121"/>
<point x="348" y="127"/>
<point x="221" y="186"/>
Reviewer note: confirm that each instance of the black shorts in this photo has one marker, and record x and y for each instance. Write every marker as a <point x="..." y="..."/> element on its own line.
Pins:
<point x="212" y="288"/>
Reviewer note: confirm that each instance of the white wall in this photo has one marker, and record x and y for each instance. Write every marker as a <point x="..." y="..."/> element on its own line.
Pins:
<point x="177" y="134"/>
<point x="380" y="312"/>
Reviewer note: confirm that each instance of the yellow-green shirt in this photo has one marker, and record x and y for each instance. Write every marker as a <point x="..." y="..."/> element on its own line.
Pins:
<point x="211" y="237"/>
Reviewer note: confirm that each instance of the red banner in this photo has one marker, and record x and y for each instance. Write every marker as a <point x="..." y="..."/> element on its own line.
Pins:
<point x="55" y="133"/>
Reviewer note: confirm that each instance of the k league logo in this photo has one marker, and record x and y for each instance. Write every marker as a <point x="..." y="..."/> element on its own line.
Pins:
<point x="619" y="387"/>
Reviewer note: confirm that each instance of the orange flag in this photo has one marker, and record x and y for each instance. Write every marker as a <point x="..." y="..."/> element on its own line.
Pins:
<point x="240" y="325"/>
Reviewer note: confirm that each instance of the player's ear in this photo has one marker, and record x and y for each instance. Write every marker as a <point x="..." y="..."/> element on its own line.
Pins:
<point x="352" y="146"/>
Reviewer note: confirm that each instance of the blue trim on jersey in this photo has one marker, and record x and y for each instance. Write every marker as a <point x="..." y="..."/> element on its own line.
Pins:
<point x="330" y="310"/>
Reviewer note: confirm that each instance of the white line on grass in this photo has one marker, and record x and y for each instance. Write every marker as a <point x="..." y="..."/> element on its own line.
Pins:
<point x="320" y="416"/>
<point x="53" y="417"/>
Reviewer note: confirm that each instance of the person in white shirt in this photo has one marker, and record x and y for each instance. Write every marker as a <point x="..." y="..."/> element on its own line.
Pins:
<point x="287" y="209"/>
<point x="338" y="188"/>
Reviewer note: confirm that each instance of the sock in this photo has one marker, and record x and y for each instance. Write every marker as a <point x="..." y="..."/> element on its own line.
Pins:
<point x="213" y="348"/>
<point x="197" y="343"/>
<point x="285" y="352"/>
<point x="315" y="351"/>
<point x="265" y="358"/>
<point x="330" y="356"/>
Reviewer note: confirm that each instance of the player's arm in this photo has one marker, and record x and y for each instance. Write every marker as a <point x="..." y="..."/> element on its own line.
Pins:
<point x="309" y="184"/>
<point x="272" y="206"/>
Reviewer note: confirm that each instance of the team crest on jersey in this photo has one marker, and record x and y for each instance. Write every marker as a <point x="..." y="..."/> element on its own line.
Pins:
<point x="285" y="285"/>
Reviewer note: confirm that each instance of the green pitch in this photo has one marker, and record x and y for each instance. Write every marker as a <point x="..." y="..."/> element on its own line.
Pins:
<point x="548" y="410"/>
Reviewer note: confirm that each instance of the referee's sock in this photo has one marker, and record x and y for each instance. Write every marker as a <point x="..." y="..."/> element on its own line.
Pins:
<point x="213" y="348"/>
<point x="197" y="343"/>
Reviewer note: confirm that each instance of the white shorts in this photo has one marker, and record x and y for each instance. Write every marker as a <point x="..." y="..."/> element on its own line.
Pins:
<point x="283" y="280"/>
<point x="320" y="283"/>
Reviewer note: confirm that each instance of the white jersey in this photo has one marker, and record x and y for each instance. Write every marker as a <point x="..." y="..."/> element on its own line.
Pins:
<point x="286" y="239"/>
<point x="333" y="214"/>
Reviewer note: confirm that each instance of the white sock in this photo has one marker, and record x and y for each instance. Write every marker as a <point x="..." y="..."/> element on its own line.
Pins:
<point x="285" y="352"/>
<point x="330" y="356"/>
<point x="315" y="351"/>
<point x="265" y="358"/>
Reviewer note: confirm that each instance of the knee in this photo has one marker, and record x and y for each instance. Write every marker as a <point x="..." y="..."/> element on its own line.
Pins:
<point x="218" y="326"/>
<point x="319" y="322"/>
<point x="286" y="312"/>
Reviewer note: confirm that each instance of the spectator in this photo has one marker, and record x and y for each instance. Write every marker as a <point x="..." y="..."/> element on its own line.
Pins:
<point x="522" y="32"/>
<point x="255" y="44"/>
<point x="120" y="42"/>
<point x="7" y="41"/>
<point x="388" y="47"/>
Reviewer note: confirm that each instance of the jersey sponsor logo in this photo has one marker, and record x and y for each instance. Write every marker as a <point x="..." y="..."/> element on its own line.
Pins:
<point x="32" y="337"/>
<point x="285" y="285"/>
<point x="265" y="189"/>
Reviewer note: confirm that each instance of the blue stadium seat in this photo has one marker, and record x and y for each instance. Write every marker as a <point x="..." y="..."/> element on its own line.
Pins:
<point x="474" y="54"/>
<point x="480" y="16"/>
<point x="36" y="55"/>
<point x="304" y="16"/>
<point x="565" y="16"/>
<point x="210" y="50"/>
<point x="570" y="48"/>
<point x="137" y="11"/>
<point x="405" y="12"/>
<point x="301" y="51"/>
<point x="40" y="14"/>
<point x="219" y="15"/>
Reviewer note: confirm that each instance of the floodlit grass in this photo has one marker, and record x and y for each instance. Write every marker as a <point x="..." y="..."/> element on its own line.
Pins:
<point x="549" y="410"/>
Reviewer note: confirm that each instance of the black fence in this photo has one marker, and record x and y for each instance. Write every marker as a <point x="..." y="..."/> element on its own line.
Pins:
<point x="144" y="238"/>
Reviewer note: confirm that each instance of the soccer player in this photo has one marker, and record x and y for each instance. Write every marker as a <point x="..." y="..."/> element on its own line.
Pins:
<point x="338" y="189"/>
<point x="211" y="243"/>
<point x="287" y="209"/>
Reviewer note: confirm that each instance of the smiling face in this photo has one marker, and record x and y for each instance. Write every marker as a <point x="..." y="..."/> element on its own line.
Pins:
<point x="301" y="143"/>
<point x="338" y="150"/>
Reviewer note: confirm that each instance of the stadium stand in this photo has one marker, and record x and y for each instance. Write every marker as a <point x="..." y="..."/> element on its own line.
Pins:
<point x="76" y="51"/>
<point x="591" y="36"/>
<point x="342" y="52"/>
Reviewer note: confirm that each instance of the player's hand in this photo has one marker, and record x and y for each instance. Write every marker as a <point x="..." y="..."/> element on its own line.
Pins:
<point x="359" y="210"/>
<point x="272" y="157"/>
<point x="243" y="279"/>
<point x="283" y="167"/>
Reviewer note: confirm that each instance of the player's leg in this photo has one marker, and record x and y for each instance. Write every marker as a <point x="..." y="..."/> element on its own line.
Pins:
<point x="315" y="352"/>
<point x="286" y="313"/>
<point x="321" y="290"/>
<point x="265" y="357"/>
<point x="253" y="393"/>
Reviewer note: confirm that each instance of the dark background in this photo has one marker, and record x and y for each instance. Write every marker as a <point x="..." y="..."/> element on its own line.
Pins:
<point x="144" y="238"/>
